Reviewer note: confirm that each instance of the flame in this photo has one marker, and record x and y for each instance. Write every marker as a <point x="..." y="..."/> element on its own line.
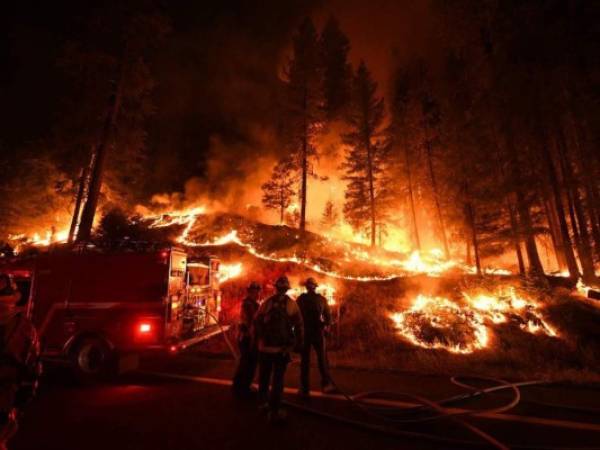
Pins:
<point x="462" y="326"/>
<point x="431" y="264"/>
<point x="505" y="304"/>
<point x="36" y="239"/>
<point x="439" y="323"/>
<point x="186" y="217"/>
<point x="326" y="290"/>
<point x="229" y="271"/>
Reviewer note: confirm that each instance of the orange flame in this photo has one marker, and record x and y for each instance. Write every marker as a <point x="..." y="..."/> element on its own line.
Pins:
<point x="462" y="327"/>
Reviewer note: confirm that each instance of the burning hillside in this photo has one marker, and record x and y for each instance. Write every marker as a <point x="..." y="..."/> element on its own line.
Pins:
<point x="195" y="228"/>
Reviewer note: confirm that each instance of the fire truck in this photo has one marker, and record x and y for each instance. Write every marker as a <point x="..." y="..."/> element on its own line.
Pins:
<point x="93" y="308"/>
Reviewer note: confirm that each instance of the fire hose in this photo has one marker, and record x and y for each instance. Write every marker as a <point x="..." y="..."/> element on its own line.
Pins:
<point x="393" y="416"/>
<point x="389" y="414"/>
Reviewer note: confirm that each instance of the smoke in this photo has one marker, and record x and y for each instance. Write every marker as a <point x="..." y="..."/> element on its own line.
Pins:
<point x="216" y="135"/>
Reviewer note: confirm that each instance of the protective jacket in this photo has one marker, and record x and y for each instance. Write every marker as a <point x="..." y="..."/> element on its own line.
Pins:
<point x="294" y="316"/>
<point x="315" y="313"/>
<point x="248" y="311"/>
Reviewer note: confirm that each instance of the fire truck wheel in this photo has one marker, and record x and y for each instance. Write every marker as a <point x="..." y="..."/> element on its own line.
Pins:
<point x="92" y="358"/>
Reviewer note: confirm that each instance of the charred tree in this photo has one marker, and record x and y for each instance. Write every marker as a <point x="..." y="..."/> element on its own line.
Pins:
<point x="97" y="170"/>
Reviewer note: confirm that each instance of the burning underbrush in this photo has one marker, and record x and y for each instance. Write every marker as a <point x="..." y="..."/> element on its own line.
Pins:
<point x="409" y="312"/>
<point x="463" y="325"/>
<point x="490" y="327"/>
<point x="414" y="312"/>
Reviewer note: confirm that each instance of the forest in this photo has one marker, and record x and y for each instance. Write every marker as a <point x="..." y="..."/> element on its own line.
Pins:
<point x="486" y="148"/>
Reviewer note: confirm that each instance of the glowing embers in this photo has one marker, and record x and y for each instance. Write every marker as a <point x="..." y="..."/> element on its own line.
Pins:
<point x="326" y="290"/>
<point x="463" y="326"/>
<point x="36" y="239"/>
<point x="229" y="271"/>
<point x="391" y="265"/>
<point x="436" y="322"/>
<point x="505" y="305"/>
<point x="185" y="217"/>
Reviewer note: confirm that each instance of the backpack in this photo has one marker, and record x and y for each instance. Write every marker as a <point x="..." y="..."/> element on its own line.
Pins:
<point x="277" y="329"/>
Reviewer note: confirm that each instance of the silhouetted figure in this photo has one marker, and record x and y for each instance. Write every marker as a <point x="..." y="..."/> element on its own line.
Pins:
<point x="317" y="319"/>
<point x="246" y="368"/>
<point x="279" y="330"/>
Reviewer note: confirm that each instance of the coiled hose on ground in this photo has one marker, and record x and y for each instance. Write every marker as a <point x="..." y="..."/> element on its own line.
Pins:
<point x="392" y="416"/>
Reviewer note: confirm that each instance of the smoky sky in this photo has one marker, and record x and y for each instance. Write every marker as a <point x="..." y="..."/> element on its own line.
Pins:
<point x="217" y="74"/>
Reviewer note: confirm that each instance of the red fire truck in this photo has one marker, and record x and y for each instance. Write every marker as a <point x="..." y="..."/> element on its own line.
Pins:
<point x="92" y="307"/>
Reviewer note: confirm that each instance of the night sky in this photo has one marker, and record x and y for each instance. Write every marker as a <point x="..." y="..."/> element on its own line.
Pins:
<point x="217" y="73"/>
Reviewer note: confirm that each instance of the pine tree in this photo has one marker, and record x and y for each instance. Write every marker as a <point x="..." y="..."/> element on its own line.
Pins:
<point x="337" y="72"/>
<point x="430" y="124"/>
<point x="330" y="215"/>
<point x="366" y="164"/>
<point x="400" y="132"/>
<point x="278" y="192"/>
<point x="304" y="107"/>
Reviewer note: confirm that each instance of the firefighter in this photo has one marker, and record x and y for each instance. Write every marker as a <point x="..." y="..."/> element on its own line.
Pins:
<point x="279" y="330"/>
<point x="20" y="366"/>
<point x="247" y="346"/>
<point x="317" y="320"/>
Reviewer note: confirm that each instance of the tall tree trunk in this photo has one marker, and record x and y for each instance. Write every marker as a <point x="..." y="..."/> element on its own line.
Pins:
<point x="371" y="190"/>
<point x="592" y="209"/>
<point x="578" y="220"/>
<point x="587" y="261"/>
<point x="411" y="197"/>
<point x="524" y="214"/>
<point x="304" y="163"/>
<point x="471" y="219"/>
<point x="83" y="180"/>
<point x="468" y="257"/>
<point x="591" y="192"/>
<point x="566" y="243"/>
<point x="97" y="171"/>
<point x="535" y="264"/>
<point x="555" y="236"/>
<point x="514" y="224"/>
<point x="436" y="198"/>
<point x="515" y="237"/>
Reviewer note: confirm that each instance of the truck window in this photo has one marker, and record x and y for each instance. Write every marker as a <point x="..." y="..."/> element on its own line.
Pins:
<point x="198" y="276"/>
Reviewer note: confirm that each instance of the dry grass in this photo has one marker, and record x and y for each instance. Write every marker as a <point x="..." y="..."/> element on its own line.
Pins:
<point x="369" y="340"/>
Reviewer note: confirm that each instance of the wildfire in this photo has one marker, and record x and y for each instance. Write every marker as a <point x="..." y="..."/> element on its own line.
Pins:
<point x="506" y="305"/>
<point x="326" y="290"/>
<point x="437" y="322"/>
<point x="39" y="240"/>
<point x="187" y="217"/>
<point x="463" y="326"/>
<point x="229" y="271"/>
<point x="431" y="263"/>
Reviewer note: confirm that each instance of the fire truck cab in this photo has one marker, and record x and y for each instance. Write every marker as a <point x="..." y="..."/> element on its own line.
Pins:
<point x="92" y="307"/>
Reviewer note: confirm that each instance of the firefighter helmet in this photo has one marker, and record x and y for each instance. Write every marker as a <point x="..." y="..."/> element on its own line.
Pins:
<point x="311" y="282"/>
<point x="282" y="283"/>
<point x="254" y="286"/>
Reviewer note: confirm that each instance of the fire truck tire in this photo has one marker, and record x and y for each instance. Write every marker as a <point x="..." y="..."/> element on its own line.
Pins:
<point x="92" y="358"/>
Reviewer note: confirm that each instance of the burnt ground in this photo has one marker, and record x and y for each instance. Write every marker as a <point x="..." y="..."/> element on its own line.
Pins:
<point x="184" y="403"/>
